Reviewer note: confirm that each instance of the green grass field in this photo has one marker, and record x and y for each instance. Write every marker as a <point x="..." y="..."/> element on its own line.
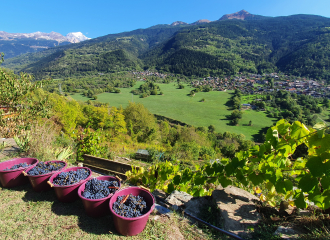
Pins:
<point x="176" y="104"/>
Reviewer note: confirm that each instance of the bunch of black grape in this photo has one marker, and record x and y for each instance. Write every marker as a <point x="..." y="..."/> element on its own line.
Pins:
<point x="21" y="165"/>
<point x="71" y="177"/>
<point x="96" y="189"/>
<point x="43" y="168"/>
<point x="130" y="206"/>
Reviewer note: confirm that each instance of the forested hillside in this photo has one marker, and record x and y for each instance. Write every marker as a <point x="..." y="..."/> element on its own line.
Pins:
<point x="296" y="45"/>
<point x="284" y="43"/>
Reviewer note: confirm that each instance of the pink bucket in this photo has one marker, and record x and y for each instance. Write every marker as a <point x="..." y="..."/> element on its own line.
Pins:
<point x="68" y="193"/>
<point x="97" y="207"/>
<point x="39" y="182"/>
<point x="13" y="178"/>
<point x="132" y="226"/>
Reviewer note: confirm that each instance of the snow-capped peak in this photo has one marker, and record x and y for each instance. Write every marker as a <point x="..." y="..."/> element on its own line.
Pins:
<point x="76" y="37"/>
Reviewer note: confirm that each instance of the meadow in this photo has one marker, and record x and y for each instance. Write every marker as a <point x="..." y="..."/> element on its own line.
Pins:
<point x="176" y="104"/>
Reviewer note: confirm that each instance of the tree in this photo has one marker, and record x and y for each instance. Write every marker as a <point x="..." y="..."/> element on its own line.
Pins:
<point x="181" y="86"/>
<point x="15" y="95"/>
<point x="236" y="102"/>
<point x="250" y="123"/>
<point x="140" y="122"/>
<point x="234" y="121"/>
<point x="211" y="128"/>
<point x="236" y="114"/>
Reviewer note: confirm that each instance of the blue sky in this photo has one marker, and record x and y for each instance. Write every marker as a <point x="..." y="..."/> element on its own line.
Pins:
<point x="101" y="17"/>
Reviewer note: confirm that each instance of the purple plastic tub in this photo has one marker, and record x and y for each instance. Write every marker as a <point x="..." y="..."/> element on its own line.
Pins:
<point x="132" y="226"/>
<point x="68" y="193"/>
<point x="39" y="182"/>
<point x="97" y="207"/>
<point x="13" y="178"/>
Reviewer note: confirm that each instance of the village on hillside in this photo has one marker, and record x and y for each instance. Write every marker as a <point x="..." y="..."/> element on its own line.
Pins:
<point x="266" y="83"/>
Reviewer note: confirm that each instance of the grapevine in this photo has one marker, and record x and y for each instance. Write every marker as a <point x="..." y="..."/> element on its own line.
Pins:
<point x="269" y="169"/>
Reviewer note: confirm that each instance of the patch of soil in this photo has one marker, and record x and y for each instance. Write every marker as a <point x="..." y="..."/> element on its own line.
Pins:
<point x="173" y="231"/>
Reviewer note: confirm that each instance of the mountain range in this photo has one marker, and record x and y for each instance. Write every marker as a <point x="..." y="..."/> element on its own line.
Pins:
<point x="298" y="45"/>
<point x="14" y="44"/>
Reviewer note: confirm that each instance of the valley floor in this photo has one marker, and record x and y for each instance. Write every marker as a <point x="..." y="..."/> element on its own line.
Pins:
<point x="176" y="104"/>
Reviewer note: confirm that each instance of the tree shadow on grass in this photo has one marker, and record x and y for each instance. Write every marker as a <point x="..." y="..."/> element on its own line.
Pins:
<point x="98" y="226"/>
<point x="260" y="136"/>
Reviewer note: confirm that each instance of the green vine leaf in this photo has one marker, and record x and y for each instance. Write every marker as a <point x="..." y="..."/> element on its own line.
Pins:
<point x="170" y="188"/>
<point x="209" y="170"/>
<point x="314" y="165"/>
<point x="283" y="127"/>
<point x="318" y="145"/>
<point x="300" y="200"/>
<point x="284" y="186"/>
<point x="325" y="182"/>
<point x="225" y="181"/>
<point x="256" y="179"/>
<point x="299" y="130"/>
<point x="307" y="183"/>
<point x="177" y="179"/>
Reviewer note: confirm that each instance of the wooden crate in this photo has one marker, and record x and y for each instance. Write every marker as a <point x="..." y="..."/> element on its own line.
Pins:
<point x="107" y="166"/>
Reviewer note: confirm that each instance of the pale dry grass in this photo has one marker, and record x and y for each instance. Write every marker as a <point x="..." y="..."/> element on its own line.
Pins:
<point x="42" y="138"/>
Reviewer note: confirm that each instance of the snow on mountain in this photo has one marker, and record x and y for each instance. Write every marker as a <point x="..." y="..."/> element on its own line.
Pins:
<point x="76" y="37"/>
<point x="73" y="37"/>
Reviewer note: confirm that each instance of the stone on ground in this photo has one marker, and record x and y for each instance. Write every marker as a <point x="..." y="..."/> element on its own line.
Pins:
<point x="178" y="198"/>
<point x="237" y="209"/>
<point x="287" y="233"/>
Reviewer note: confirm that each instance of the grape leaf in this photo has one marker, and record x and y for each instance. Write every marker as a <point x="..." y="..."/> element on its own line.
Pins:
<point x="298" y="130"/>
<point x="318" y="200"/>
<point x="170" y="188"/>
<point x="280" y="187"/>
<point x="256" y="179"/>
<point x="241" y="178"/>
<point x="199" y="192"/>
<point x="177" y="179"/>
<point x="225" y="181"/>
<point x="272" y="137"/>
<point x="300" y="200"/>
<point x="283" y="186"/>
<point x="278" y="174"/>
<point x="325" y="181"/>
<point x="318" y="145"/>
<point x="314" y="164"/>
<point x="282" y="126"/>
<point x="209" y="170"/>
<point x="285" y="150"/>
<point x="199" y="180"/>
<point x="229" y="169"/>
<point x="218" y="168"/>
<point x="186" y="176"/>
<point x="164" y="176"/>
<point x="212" y="180"/>
<point x="262" y="150"/>
<point x="326" y="201"/>
<point x="326" y="168"/>
<point x="235" y="163"/>
<point x="144" y="180"/>
<point x="307" y="183"/>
